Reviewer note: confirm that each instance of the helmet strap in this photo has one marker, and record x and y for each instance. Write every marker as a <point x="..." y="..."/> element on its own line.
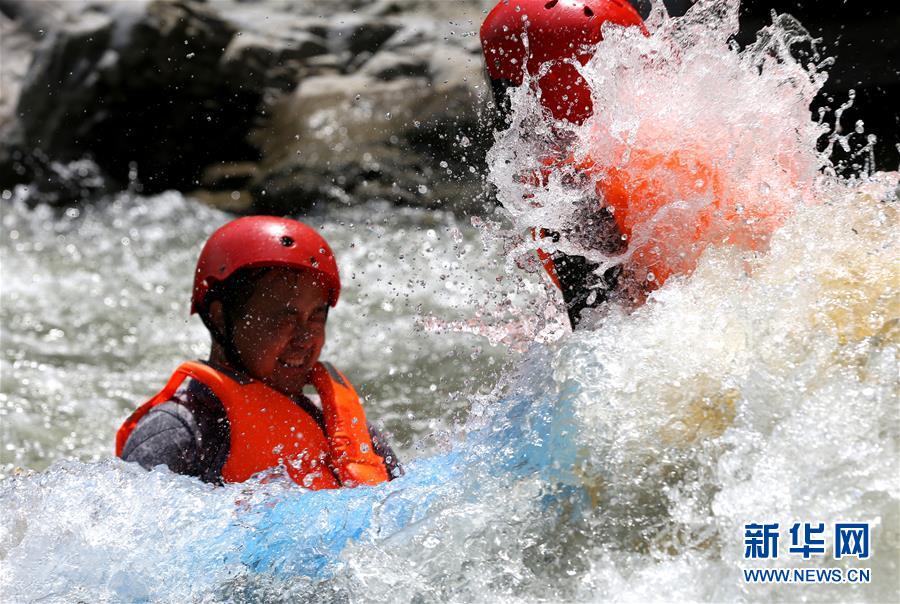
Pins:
<point x="224" y="338"/>
<point x="227" y="344"/>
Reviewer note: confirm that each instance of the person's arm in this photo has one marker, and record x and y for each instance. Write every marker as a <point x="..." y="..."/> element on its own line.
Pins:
<point x="186" y="435"/>
<point x="167" y="435"/>
<point x="582" y="287"/>
<point x="384" y="450"/>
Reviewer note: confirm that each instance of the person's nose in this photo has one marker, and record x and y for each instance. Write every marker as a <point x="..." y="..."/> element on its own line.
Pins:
<point x="304" y="330"/>
<point x="300" y="333"/>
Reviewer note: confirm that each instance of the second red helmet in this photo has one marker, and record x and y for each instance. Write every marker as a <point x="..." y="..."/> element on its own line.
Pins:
<point x="256" y="241"/>
<point x="556" y="30"/>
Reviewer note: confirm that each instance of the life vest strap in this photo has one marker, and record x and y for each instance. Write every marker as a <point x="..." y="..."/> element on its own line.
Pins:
<point x="352" y="453"/>
<point x="192" y="369"/>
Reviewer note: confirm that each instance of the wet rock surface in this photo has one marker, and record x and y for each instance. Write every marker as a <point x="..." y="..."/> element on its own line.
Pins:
<point x="314" y="102"/>
<point x="256" y="106"/>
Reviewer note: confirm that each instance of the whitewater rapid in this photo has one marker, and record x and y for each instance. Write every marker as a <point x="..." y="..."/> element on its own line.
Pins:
<point x="620" y="462"/>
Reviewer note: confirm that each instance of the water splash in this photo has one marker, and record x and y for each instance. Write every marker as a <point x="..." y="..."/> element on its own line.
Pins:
<point x="759" y="383"/>
<point x="692" y="143"/>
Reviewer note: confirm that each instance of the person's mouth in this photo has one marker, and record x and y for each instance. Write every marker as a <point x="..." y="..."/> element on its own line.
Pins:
<point x="294" y="360"/>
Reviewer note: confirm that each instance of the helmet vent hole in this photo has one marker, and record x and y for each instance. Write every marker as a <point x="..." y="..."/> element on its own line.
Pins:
<point x="287" y="241"/>
<point x="551" y="4"/>
<point x="588" y="12"/>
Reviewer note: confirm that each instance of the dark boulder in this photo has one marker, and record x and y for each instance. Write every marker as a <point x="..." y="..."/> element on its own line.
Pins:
<point x="142" y="86"/>
<point x="361" y="34"/>
<point x="250" y="106"/>
<point x="390" y="65"/>
<point x="262" y="62"/>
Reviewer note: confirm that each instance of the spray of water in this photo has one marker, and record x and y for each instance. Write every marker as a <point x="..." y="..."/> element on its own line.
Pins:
<point x="692" y="143"/>
<point x="757" y="383"/>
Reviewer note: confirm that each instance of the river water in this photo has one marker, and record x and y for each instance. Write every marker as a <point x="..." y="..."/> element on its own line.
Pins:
<point x="759" y="383"/>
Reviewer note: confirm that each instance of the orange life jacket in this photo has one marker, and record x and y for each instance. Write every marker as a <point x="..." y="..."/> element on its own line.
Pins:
<point x="638" y="189"/>
<point x="268" y="429"/>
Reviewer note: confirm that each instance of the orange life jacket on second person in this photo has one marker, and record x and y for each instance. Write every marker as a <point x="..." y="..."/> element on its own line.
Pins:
<point x="646" y="193"/>
<point x="269" y="429"/>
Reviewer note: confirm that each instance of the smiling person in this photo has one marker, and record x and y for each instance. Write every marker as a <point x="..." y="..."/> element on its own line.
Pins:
<point x="263" y="287"/>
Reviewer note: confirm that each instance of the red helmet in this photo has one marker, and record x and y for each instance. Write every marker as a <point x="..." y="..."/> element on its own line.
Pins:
<point x="556" y="30"/>
<point x="263" y="241"/>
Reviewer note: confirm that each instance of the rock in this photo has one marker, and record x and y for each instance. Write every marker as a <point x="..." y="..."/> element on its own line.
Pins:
<point x="139" y="84"/>
<point x="361" y="34"/>
<point x="16" y="48"/>
<point x="316" y="27"/>
<point x="302" y="47"/>
<point x="58" y="183"/>
<point x="255" y="49"/>
<point x="230" y="176"/>
<point x="390" y="65"/>
<point x="295" y="187"/>
<point x="264" y="62"/>
<point x="416" y="32"/>
<point x="34" y="19"/>
<point x="384" y="8"/>
<point x="326" y="65"/>
<point x="248" y="106"/>
<point x="399" y="130"/>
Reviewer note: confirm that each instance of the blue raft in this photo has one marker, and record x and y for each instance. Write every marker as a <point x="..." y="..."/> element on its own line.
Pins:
<point x="304" y="533"/>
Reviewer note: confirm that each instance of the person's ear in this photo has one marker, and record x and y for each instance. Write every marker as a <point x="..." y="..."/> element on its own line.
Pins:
<point x="216" y="314"/>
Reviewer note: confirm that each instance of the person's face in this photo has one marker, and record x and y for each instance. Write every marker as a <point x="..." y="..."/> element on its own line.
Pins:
<point x="280" y="333"/>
